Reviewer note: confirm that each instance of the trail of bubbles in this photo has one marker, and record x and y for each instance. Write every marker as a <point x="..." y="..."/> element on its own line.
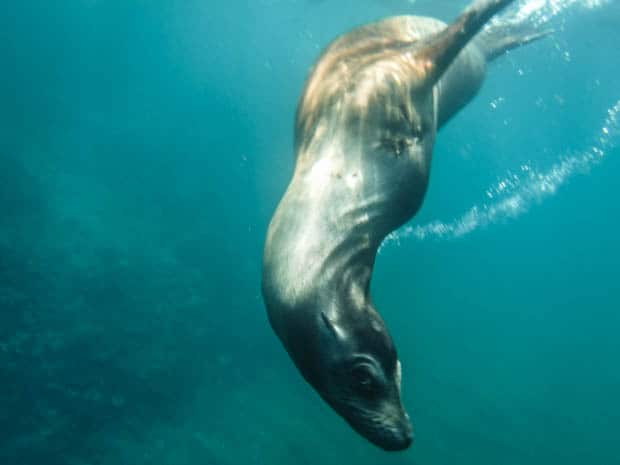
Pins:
<point x="541" y="12"/>
<point x="513" y="195"/>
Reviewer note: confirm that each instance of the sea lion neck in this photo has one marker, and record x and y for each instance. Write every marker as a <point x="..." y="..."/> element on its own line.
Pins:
<point x="325" y="230"/>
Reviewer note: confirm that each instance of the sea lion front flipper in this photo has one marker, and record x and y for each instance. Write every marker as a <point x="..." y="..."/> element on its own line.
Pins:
<point x="438" y="51"/>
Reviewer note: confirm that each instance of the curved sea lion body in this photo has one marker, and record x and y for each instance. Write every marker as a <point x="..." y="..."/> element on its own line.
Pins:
<point x="364" y="134"/>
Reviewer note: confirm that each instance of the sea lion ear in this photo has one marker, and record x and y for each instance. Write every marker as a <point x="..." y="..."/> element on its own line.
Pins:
<point x="331" y="326"/>
<point x="438" y="51"/>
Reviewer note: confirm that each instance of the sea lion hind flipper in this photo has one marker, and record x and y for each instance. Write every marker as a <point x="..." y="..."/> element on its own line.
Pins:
<point x="439" y="50"/>
<point x="498" y="39"/>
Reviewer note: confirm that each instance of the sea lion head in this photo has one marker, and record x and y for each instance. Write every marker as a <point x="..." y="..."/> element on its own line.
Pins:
<point x="357" y="372"/>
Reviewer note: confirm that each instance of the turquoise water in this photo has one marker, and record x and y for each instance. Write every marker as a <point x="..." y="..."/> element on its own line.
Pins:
<point x="144" y="146"/>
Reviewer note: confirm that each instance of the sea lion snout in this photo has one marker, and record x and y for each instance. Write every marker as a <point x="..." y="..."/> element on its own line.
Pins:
<point x="396" y="436"/>
<point x="400" y="439"/>
<point x="387" y="426"/>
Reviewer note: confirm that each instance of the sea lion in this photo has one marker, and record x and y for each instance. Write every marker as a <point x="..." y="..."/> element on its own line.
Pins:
<point x="364" y="134"/>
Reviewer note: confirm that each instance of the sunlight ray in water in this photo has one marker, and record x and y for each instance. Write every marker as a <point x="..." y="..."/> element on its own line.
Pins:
<point x="517" y="191"/>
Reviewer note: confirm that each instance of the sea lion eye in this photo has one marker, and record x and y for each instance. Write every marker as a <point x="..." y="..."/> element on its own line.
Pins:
<point x="363" y="379"/>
